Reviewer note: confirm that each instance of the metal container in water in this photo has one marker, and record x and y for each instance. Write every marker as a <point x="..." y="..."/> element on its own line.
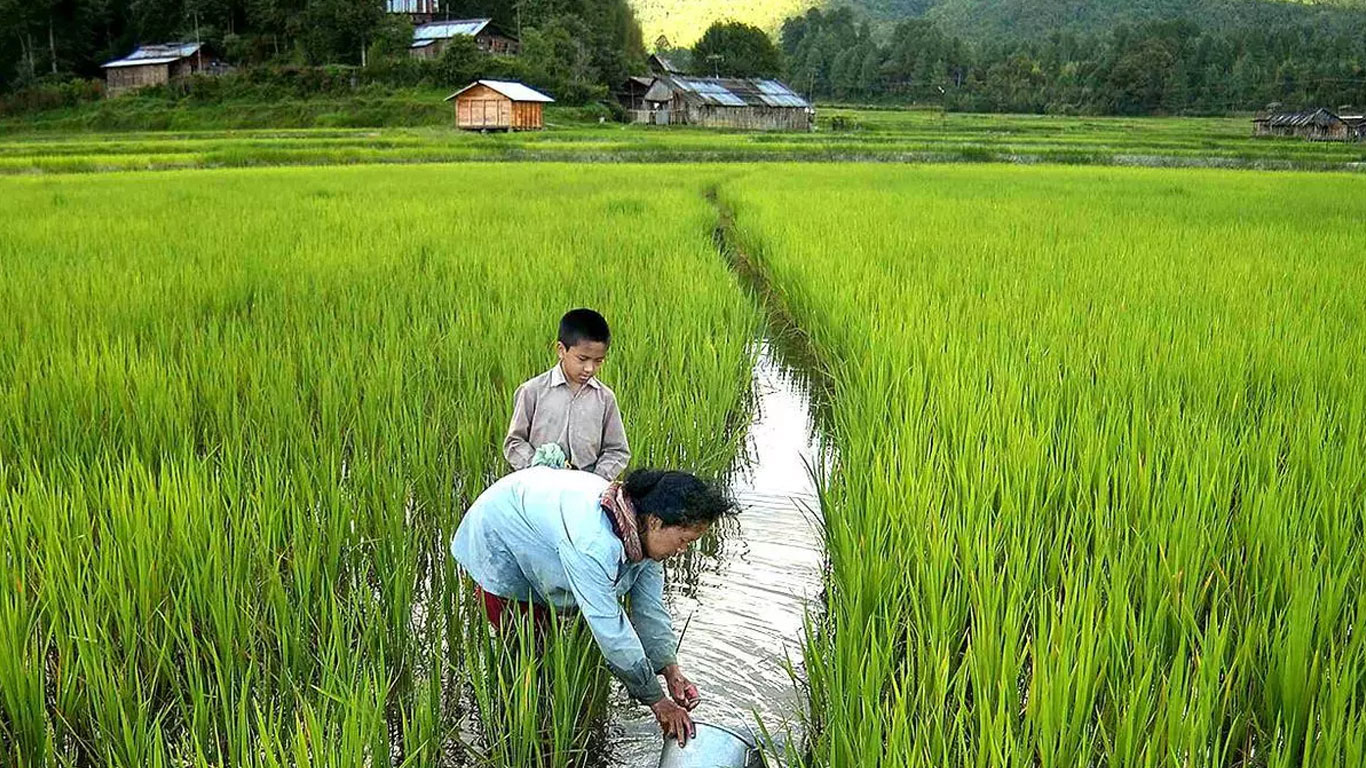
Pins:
<point x="713" y="747"/>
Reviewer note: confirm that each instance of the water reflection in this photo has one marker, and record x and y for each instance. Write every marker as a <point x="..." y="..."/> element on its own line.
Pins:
<point x="743" y="591"/>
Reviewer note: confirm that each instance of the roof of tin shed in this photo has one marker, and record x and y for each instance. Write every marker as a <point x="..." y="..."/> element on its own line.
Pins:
<point x="730" y="92"/>
<point x="445" y="30"/>
<point x="162" y="53"/>
<point x="1318" y="118"/>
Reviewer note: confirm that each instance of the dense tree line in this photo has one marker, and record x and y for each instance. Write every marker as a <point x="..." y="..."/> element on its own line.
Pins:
<point x="1239" y="55"/>
<point x="1157" y="67"/>
<point x="566" y="41"/>
<point x="1012" y="20"/>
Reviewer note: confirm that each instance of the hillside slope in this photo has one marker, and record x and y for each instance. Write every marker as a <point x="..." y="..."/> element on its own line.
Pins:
<point x="683" y="21"/>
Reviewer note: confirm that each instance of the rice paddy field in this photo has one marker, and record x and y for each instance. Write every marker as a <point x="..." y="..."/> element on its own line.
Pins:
<point x="1101" y="489"/>
<point x="1097" y="496"/>
<point x="843" y="135"/>
<point x="234" y="444"/>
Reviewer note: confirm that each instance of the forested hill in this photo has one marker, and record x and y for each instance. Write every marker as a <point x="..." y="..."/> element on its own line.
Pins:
<point x="682" y="21"/>
<point x="980" y="20"/>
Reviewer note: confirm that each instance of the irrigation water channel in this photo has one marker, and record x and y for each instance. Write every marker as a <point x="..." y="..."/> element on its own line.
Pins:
<point x="740" y="597"/>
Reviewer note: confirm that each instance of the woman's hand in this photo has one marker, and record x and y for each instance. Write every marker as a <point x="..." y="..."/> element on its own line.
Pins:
<point x="674" y="720"/>
<point x="681" y="689"/>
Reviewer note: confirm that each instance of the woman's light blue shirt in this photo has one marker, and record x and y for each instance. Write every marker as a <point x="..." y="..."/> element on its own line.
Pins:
<point x="541" y="535"/>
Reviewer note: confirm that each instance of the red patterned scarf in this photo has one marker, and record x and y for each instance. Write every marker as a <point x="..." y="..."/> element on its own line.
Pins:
<point x="623" y="517"/>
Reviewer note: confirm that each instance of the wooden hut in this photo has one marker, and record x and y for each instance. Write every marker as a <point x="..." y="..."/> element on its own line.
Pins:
<point x="152" y="65"/>
<point x="1312" y="124"/>
<point x="429" y="40"/>
<point x="497" y="105"/>
<point x="719" y="102"/>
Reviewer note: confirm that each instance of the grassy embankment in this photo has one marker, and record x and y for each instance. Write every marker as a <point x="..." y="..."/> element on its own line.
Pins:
<point x="134" y="135"/>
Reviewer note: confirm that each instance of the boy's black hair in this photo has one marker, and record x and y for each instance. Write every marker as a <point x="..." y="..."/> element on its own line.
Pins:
<point x="580" y="325"/>
<point x="676" y="498"/>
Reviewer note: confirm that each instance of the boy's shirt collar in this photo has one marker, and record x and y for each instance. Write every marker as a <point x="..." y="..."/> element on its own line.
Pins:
<point x="557" y="378"/>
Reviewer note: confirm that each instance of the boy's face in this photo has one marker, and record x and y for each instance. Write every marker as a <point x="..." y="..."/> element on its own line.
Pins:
<point x="581" y="361"/>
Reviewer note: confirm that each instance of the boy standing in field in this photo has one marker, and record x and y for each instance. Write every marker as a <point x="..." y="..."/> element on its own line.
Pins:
<point x="565" y="415"/>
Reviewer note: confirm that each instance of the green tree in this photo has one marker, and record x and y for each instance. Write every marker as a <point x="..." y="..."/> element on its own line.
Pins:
<point x="735" y="49"/>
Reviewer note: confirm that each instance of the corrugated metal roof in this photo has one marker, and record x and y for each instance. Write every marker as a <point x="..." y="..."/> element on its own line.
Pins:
<point x="710" y="91"/>
<point x="445" y="30"/>
<point x="775" y="94"/>
<point x="731" y="92"/>
<point x="1319" y="118"/>
<point x="514" y="91"/>
<point x="162" y="53"/>
<point x="668" y="64"/>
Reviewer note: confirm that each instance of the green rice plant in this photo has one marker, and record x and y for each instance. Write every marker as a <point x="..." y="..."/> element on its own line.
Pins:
<point x="540" y="691"/>
<point x="241" y="413"/>
<point x="1100" y="478"/>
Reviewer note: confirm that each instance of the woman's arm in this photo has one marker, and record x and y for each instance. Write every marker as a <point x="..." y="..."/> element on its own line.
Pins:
<point x="592" y="585"/>
<point x="651" y="618"/>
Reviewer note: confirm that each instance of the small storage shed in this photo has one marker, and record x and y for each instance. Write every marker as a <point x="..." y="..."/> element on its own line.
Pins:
<point x="429" y="40"/>
<point x="151" y="65"/>
<point x="499" y="105"/>
<point x="1312" y="124"/>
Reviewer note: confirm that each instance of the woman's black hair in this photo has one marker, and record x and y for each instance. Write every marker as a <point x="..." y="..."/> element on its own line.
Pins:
<point x="676" y="498"/>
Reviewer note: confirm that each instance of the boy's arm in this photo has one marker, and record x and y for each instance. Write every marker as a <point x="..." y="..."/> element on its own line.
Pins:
<point x="517" y="448"/>
<point x="615" y="453"/>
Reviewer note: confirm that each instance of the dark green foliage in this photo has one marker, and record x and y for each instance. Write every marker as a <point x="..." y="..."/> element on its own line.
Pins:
<point x="1155" y="67"/>
<point x="735" y="49"/>
<point x="576" y="47"/>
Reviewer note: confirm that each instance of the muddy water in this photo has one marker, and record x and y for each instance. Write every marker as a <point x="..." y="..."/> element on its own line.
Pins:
<point x="742" y="593"/>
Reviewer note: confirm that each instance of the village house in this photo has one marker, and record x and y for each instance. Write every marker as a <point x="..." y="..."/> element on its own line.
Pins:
<point x="498" y="105"/>
<point x="156" y="65"/>
<point x="417" y="11"/>
<point x="429" y="40"/>
<point x="672" y="96"/>
<point x="721" y="102"/>
<point x="1312" y="124"/>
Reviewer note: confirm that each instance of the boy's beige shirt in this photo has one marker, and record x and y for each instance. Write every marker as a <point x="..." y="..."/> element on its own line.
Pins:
<point x="586" y="424"/>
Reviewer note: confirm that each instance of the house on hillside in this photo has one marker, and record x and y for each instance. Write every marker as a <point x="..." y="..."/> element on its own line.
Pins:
<point x="157" y="65"/>
<point x="1311" y="124"/>
<point x="498" y="105"/>
<point x="418" y="11"/>
<point x="429" y="40"/>
<point x="722" y="102"/>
